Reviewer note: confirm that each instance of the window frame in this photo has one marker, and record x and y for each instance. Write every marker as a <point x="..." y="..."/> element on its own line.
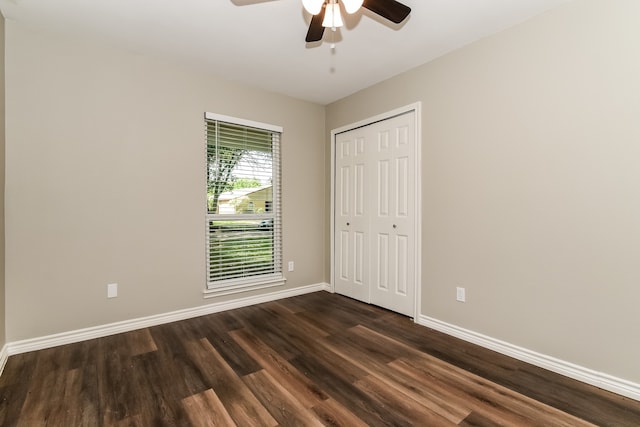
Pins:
<point x="259" y="281"/>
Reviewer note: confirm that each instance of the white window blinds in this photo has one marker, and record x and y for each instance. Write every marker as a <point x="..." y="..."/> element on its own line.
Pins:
<point x="243" y="205"/>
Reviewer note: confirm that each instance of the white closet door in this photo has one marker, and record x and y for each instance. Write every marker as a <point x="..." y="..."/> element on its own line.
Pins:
<point x="375" y="213"/>
<point x="351" y="217"/>
<point x="392" y="220"/>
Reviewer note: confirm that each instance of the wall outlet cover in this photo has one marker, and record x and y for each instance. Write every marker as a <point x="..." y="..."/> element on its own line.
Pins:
<point x="112" y="290"/>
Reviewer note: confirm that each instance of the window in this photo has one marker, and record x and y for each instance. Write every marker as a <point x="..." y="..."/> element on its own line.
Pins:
<point x="243" y="205"/>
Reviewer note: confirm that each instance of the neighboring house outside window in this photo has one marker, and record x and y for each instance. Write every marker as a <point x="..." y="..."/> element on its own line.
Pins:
<point x="244" y="239"/>
<point x="246" y="200"/>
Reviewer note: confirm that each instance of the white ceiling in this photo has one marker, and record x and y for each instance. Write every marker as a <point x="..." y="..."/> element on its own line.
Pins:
<point x="261" y="42"/>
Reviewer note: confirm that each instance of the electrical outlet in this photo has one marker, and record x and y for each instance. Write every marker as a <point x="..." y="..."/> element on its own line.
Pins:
<point x="112" y="290"/>
<point x="460" y="294"/>
<point x="290" y="265"/>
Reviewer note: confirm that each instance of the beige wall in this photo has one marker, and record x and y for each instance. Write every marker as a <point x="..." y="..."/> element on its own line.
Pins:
<point x="2" y="149"/>
<point x="531" y="182"/>
<point x="105" y="182"/>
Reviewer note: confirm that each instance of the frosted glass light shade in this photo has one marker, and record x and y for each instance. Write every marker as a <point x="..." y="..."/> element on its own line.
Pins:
<point x="352" y="5"/>
<point x="313" y="6"/>
<point x="332" y="17"/>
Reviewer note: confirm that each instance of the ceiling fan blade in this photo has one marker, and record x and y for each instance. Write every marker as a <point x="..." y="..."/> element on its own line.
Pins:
<point x="316" y="30"/>
<point x="392" y="10"/>
<point x="248" y="2"/>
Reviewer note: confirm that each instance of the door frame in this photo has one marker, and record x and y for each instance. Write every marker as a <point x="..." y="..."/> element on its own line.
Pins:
<point x="416" y="108"/>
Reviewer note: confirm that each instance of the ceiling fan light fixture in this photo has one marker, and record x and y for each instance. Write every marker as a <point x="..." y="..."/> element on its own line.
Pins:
<point x="352" y="6"/>
<point x="313" y="6"/>
<point x="332" y="16"/>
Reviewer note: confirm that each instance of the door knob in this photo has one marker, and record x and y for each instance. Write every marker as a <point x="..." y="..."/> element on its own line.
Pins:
<point x="394" y="226"/>
<point x="348" y="224"/>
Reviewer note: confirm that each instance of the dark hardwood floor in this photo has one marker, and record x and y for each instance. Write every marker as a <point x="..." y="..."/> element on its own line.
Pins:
<point x="317" y="359"/>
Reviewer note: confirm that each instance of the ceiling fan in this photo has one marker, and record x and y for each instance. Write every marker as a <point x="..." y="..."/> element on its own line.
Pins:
<point x="326" y="13"/>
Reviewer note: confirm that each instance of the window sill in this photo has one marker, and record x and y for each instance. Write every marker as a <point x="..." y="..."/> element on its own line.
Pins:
<point x="235" y="288"/>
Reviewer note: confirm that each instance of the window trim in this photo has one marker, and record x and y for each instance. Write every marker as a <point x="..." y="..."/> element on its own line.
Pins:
<point x="243" y="122"/>
<point x="233" y="286"/>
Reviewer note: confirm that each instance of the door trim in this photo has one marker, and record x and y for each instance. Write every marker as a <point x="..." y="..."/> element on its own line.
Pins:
<point x="416" y="108"/>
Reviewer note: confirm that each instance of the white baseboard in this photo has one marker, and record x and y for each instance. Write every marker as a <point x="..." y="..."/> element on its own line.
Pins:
<point x="4" y="356"/>
<point x="49" y="341"/>
<point x="580" y="373"/>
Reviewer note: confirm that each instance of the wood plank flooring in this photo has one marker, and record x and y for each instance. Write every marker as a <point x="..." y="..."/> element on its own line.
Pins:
<point x="313" y="360"/>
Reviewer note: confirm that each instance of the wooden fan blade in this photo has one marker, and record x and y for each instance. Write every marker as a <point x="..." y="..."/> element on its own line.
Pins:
<point x="316" y="30"/>
<point x="248" y="2"/>
<point x="390" y="9"/>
